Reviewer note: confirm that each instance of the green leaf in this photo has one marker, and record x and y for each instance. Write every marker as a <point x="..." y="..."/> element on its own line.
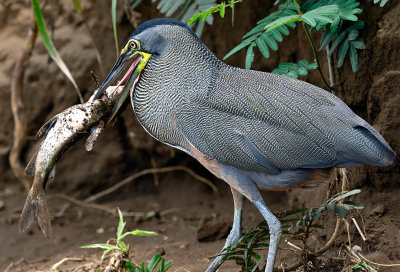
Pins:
<point x="312" y="66"/>
<point x="353" y="34"/>
<point x="50" y="46"/>
<point x="174" y="7"/>
<point x="195" y="18"/>
<point x="154" y="262"/>
<point x="263" y="47"/>
<point x="250" y="55"/>
<point x="102" y="246"/>
<point x="270" y="41"/>
<point x="344" y="195"/>
<point x="243" y="44"/>
<point x="337" y="41"/>
<point x="352" y="205"/>
<point x="318" y="212"/>
<point x="282" y="21"/>
<point x="139" y="233"/>
<point x="135" y="4"/>
<point x="330" y="207"/>
<point x="104" y="254"/>
<point x="327" y="38"/>
<point x="359" y="43"/>
<point x="121" y="225"/>
<point x="77" y="5"/>
<point x="353" y="58"/>
<point x="340" y="210"/>
<point x="276" y="35"/>
<point x="222" y="10"/>
<point x="383" y="2"/>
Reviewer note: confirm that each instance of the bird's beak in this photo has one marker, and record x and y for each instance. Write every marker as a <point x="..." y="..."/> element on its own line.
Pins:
<point x="139" y="62"/>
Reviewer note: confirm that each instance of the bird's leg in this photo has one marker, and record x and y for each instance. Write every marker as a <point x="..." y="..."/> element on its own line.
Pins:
<point x="245" y="186"/>
<point x="236" y="231"/>
<point x="275" y="231"/>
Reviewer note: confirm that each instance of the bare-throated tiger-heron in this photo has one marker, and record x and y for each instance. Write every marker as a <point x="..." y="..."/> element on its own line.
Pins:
<point x="254" y="130"/>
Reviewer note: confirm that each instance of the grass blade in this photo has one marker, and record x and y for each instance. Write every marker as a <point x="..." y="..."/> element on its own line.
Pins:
<point x="114" y="23"/>
<point x="50" y="46"/>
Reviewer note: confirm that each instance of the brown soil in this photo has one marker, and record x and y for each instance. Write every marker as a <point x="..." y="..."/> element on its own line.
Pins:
<point x="125" y="148"/>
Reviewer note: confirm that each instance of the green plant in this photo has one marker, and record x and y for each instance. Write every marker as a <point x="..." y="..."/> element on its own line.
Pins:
<point x="336" y="18"/>
<point x="184" y="10"/>
<point x="244" y="252"/>
<point x="48" y="43"/>
<point x="157" y="259"/>
<point x="121" y="249"/>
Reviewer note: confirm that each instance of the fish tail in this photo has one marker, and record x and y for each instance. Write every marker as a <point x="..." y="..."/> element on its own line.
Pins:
<point x="36" y="205"/>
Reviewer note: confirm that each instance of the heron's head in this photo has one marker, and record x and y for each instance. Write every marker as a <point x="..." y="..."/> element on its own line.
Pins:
<point x="150" y="38"/>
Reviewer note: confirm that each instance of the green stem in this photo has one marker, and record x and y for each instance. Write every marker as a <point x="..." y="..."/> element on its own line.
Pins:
<point x="316" y="57"/>
<point x="313" y="48"/>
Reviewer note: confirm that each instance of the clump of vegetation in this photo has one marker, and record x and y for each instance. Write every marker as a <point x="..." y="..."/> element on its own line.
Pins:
<point x="120" y="260"/>
<point x="294" y="228"/>
<point x="336" y="19"/>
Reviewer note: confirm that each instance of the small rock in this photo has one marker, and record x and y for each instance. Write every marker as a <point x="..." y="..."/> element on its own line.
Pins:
<point x="378" y="210"/>
<point x="210" y="229"/>
<point x="100" y="231"/>
<point x="2" y="205"/>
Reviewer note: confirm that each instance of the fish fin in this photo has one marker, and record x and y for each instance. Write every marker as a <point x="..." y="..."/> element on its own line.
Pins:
<point x="31" y="167"/>
<point x="46" y="127"/>
<point x="52" y="174"/>
<point x="94" y="133"/>
<point x="36" y="205"/>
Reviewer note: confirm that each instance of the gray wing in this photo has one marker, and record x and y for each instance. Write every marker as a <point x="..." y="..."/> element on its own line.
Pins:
<point x="265" y="122"/>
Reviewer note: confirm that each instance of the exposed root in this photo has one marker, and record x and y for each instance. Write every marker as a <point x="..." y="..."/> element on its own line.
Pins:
<point x="152" y="171"/>
<point x="55" y="266"/>
<point x="20" y="120"/>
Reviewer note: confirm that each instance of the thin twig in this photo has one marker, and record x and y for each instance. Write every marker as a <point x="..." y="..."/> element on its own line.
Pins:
<point x="378" y="264"/>
<point x="152" y="171"/>
<point x="331" y="241"/>
<point x="13" y="264"/>
<point x="348" y="230"/>
<point x="331" y="69"/>
<point x="20" y="121"/>
<point x="292" y="245"/>
<point x="359" y="229"/>
<point x="67" y="259"/>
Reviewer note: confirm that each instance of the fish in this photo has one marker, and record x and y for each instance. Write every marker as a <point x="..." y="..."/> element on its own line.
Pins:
<point x="61" y="132"/>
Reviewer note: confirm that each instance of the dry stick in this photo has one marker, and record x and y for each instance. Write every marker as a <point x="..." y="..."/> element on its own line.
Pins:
<point x="13" y="264"/>
<point x="343" y="175"/>
<point x="378" y="264"/>
<point x="359" y="229"/>
<point x="56" y="265"/>
<point x="17" y="106"/>
<point x="321" y="251"/>
<point x="152" y="171"/>
<point x="332" y="79"/>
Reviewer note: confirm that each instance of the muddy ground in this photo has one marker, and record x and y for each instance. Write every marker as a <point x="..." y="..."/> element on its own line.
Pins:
<point x="175" y="204"/>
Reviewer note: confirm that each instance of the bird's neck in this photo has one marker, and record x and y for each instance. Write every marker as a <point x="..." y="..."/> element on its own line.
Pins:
<point x="165" y="87"/>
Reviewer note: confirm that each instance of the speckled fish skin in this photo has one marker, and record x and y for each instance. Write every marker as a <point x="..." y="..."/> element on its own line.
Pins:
<point x="61" y="132"/>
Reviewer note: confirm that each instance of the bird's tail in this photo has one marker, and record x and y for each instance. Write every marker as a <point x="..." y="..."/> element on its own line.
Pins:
<point x="36" y="205"/>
